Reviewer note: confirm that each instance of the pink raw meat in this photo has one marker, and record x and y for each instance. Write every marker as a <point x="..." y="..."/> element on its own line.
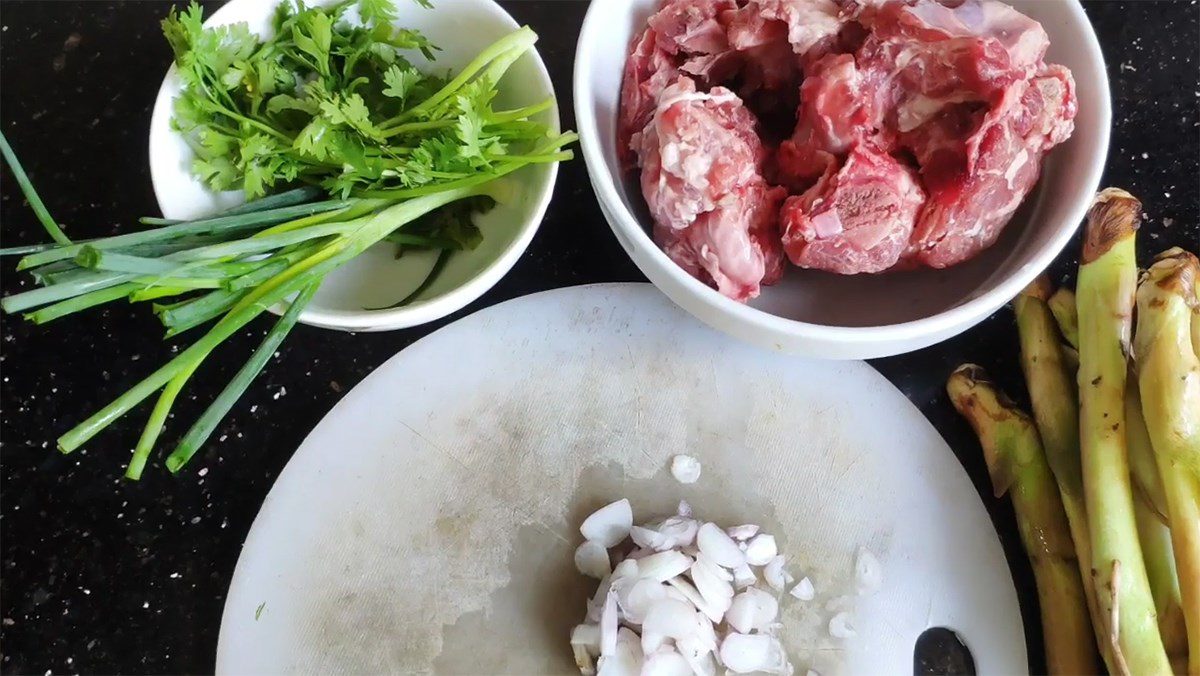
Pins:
<point x="697" y="148"/>
<point x="682" y="35"/>
<point x="924" y="56"/>
<point x="648" y="71"/>
<point x="776" y="37"/>
<point x="833" y="115"/>
<point x="735" y="247"/>
<point x="857" y="219"/>
<point x="691" y="26"/>
<point x="805" y="24"/>
<point x="997" y="167"/>
<point x="714" y="214"/>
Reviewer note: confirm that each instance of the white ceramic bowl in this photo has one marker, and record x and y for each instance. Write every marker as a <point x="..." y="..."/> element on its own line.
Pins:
<point x="461" y="28"/>
<point x="863" y="316"/>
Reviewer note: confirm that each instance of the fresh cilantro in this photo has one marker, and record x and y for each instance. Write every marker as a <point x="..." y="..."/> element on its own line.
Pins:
<point x="400" y="81"/>
<point x="377" y="11"/>
<point x="334" y="99"/>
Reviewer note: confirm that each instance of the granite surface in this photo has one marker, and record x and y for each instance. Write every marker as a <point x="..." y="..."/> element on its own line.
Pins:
<point x="100" y="575"/>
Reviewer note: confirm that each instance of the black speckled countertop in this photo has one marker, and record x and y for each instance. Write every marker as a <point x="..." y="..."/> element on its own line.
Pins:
<point x="101" y="575"/>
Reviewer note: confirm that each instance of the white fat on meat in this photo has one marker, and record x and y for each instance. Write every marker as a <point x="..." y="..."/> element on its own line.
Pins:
<point x="714" y="213"/>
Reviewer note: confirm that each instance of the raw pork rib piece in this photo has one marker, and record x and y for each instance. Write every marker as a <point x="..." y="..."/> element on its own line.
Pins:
<point x="683" y="35"/>
<point x="833" y="115"/>
<point x="858" y="219"/>
<point x="714" y="214"/>
<point x="998" y="166"/>
<point x="925" y="56"/>
<point x="775" y="37"/>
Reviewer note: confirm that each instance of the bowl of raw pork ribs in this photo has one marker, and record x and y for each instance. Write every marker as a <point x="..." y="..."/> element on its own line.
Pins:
<point x="842" y="178"/>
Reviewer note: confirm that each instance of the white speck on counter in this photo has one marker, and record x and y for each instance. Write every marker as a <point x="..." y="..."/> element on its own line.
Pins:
<point x="841" y="626"/>
<point x="685" y="469"/>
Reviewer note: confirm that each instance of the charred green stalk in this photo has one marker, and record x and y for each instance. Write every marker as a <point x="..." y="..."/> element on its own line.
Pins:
<point x="1143" y="468"/>
<point x="1169" y="382"/>
<point x="1051" y="383"/>
<point x="1062" y="305"/>
<point x="1105" y="297"/>
<point x="1155" y="538"/>
<point x="1017" y="465"/>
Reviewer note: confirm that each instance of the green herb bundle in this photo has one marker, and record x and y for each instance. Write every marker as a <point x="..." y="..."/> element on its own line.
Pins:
<point x="339" y="142"/>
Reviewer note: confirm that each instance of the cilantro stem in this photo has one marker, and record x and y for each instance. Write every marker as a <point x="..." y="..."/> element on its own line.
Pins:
<point x="30" y="193"/>
<point x="410" y="127"/>
<point x="505" y="116"/>
<point x="220" y="407"/>
<point x="521" y="39"/>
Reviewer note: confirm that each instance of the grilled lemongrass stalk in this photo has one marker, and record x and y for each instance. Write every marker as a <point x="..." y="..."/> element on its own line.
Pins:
<point x="1062" y="306"/>
<point x="1105" y="298"/>
<point x="1018" y="466"/>
<point x="1052" y="391"/>
<point x="1169" y="383"/>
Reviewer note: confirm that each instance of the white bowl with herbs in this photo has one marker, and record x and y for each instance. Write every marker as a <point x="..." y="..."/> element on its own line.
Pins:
<point x="351" y="100"/>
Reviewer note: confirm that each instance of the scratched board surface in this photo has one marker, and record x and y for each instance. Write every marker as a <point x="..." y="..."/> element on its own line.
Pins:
<point x="428" y="524"/>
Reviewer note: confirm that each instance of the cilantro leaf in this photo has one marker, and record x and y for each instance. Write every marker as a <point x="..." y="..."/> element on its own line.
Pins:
<point x="377" y="11"/>
<point x="400" y="81"/>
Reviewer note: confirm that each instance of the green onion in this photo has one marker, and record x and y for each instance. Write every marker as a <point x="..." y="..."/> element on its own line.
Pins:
<point x="220" y="407"/>
<point x="31" y="195"/>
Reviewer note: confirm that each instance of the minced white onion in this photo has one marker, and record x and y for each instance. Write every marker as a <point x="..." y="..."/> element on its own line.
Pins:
<point x="689" y="597"/>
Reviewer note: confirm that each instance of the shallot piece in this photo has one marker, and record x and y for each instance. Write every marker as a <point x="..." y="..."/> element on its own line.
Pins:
<point x="743" y="532"/>
<point x="775" y="574"/>
<point x="718" y="546"/>
<point x="753" y="609"/>
<point x="685" y="469"/>
<point x="761" y="549"/>
<point x="748" y="653"/>
<point x="666" y="662"/>
<point x="685" y="600"/>
<point x="744" y="577"/>
<point x="626" y="660"/>
<point x="610" y="524"/>
<point x="591" y="558"/>
<point x="585" y="643"/>
<point x="804" y="590"/>
<point x="663" y="566"/>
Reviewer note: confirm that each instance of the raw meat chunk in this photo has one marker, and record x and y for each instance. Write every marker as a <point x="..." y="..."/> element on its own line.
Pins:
<point x="924" y="56"/>
<point x="775" y="38"/>
<point x="698" y="148"/>
<point x="999" y="164"/>
<point x="691" y="26"/>
<point x="648" y="71"/>
<point x="714" y="214"/>
<point x="682" y="35"/>
<point x="806" y="25"/>
<point x="857" y="219"/>
<point x="833" y="115"/>
<point x="735" y="247"/>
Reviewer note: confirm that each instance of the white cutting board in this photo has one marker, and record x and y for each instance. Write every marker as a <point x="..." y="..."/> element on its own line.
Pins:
<point x="427" y="524"/>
